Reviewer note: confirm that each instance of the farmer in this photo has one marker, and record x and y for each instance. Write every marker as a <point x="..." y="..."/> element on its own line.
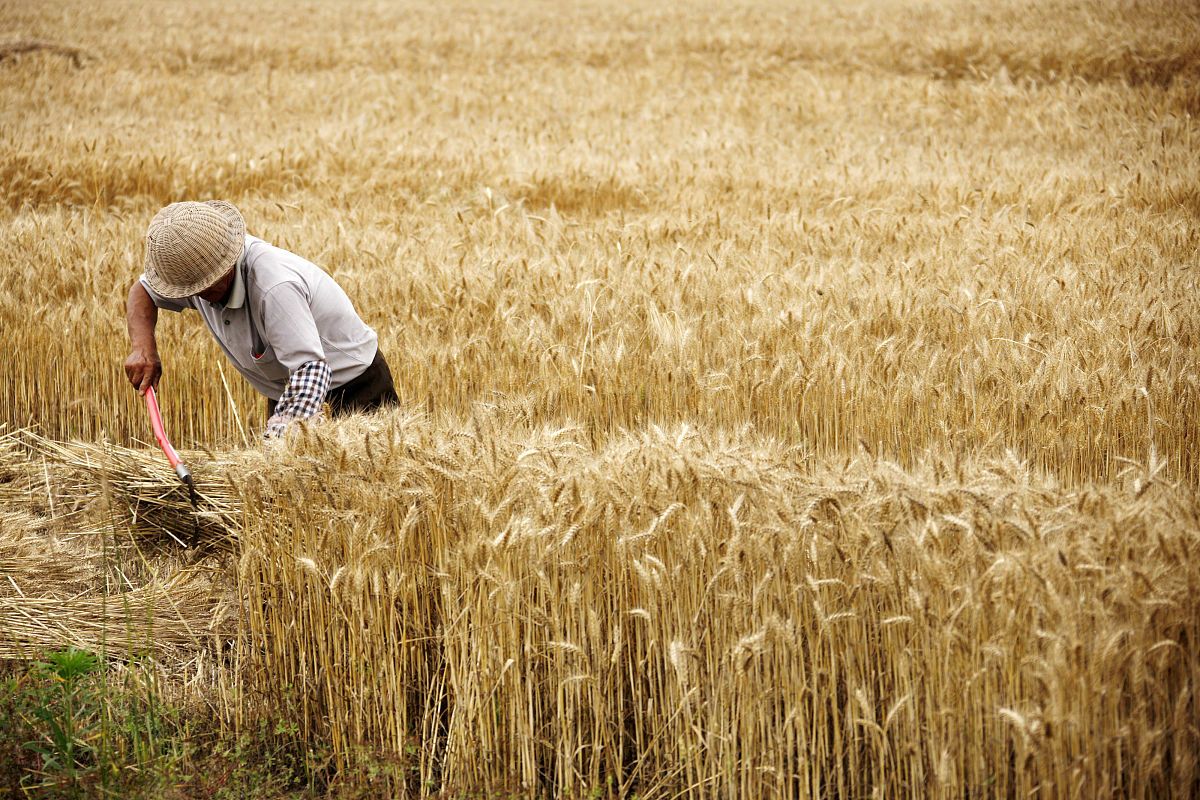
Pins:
<point x="283" y="322"/>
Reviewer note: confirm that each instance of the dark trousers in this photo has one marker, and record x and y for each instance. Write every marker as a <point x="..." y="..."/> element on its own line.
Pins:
<point x="368" y="391"/>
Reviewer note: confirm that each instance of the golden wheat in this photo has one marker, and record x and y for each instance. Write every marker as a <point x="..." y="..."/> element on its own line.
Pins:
<point x="799" y="400"/>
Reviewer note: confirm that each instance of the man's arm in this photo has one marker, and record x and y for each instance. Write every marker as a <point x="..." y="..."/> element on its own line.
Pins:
<point x="289" y="325"/>
<point x="143" y="367"/>
<point x="301" y="398"/>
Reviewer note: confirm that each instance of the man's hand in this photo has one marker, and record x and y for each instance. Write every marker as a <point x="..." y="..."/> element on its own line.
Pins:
<point x="143" y="370"/>
<point x="142" y="367"/>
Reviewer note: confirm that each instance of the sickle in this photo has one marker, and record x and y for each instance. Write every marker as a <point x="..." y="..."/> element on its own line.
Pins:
<point x="185" y="475"/>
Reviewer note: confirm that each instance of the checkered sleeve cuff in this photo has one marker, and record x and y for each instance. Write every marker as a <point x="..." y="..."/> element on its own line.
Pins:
<point x="302" y="398"/>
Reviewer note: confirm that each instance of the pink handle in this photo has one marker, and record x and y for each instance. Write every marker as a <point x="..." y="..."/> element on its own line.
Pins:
<point x="160" y="433"/>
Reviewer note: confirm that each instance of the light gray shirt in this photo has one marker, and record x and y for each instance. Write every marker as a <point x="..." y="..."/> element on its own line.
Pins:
<point x="282" y="311"/>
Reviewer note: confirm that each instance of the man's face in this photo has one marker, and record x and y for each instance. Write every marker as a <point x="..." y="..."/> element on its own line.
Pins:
<point x="219" y="290"/>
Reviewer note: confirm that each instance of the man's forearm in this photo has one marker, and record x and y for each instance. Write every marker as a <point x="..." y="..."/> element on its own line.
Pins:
<point x="141" y="317"/>
<point x="143" y="367"/>
<point x="301" y="398"/>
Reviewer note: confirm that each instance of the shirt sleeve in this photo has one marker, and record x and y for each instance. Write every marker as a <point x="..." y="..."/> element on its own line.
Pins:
<point x="289" y="327"/>
<point x="301" y="398"/>
<point x="166" y="303"/>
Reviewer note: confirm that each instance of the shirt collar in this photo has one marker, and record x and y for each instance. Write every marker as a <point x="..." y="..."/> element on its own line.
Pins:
<point x="237" y="293"/>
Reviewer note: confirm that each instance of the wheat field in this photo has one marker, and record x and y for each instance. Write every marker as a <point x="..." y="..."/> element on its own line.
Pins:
<point x="798" y="399"/>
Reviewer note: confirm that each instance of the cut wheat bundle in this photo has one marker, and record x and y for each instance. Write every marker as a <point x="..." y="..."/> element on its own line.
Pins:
<point x="136" y="489"/>
<point x="167" y="618"/>
<point x="35" y="561"/>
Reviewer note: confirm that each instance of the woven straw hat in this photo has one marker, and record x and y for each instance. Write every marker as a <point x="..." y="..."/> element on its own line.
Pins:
<point x="190" y="245"/>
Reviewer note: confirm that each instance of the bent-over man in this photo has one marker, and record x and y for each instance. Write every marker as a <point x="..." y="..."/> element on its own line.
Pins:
<point x="284" y="323"/>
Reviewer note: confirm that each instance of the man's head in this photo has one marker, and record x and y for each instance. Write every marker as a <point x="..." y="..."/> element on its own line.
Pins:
<point x="192" y="248"/>
<point x="217" y="292"/>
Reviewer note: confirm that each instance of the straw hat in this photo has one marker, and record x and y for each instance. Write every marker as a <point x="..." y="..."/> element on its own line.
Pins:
<point x="190" y="245"/>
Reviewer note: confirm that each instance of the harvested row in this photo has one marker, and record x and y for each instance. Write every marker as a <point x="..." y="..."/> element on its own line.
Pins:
<point x="92" y="556"/>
